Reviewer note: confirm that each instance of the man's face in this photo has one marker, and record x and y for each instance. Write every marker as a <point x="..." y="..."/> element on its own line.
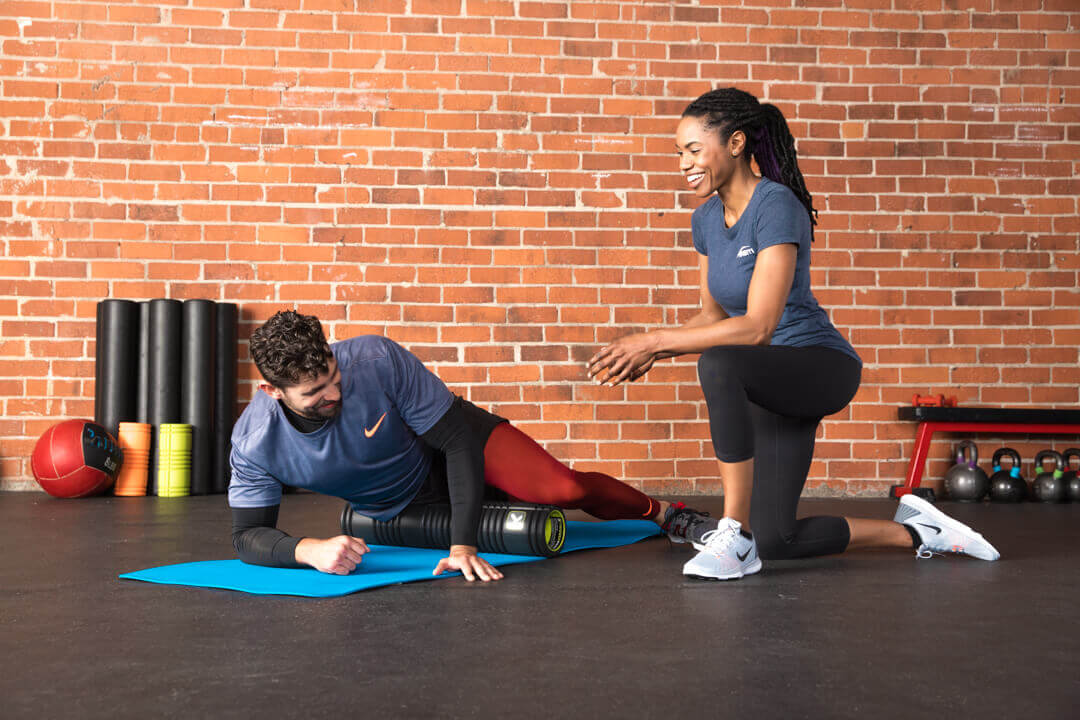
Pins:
<point x="317" y="398"/>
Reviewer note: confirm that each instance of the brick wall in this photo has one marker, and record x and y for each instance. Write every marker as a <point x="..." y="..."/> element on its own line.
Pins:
<point x="492" y="183"/>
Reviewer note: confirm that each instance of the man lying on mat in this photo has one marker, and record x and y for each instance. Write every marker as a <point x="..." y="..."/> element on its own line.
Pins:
<point x="365" y="421"/>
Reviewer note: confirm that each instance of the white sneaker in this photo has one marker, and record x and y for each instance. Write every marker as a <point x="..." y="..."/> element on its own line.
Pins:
<point x="726" y="554"/>
<point x="939" y="532"/>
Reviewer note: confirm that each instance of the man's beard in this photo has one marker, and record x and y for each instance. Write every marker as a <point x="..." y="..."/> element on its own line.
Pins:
<point x="323" y="412"/>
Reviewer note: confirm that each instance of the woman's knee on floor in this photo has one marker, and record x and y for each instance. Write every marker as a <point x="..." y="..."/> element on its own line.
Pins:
<point x="774" y="536"/>
<point x="773" y="545"/>
<point x="805" y="537"/>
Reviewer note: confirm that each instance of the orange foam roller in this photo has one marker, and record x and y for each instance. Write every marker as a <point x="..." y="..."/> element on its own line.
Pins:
<point x="134" y="439"/>
<point x="131" y="482"/>
<point x="135" y="436"/>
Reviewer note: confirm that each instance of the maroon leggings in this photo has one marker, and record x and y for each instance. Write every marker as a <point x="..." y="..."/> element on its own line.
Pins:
<point x="517" y="465"/>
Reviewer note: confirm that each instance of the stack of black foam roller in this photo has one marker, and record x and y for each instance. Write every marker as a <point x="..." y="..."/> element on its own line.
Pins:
<point x="117" y="360"/>
<point x="166" y="361"/>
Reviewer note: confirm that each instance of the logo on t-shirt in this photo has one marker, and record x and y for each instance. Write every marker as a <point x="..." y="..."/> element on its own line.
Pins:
<point x="371" y="432"/>
<point x="744" y="251"/>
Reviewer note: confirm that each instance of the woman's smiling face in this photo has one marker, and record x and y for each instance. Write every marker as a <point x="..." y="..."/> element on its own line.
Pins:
<point x="705" y="162"/>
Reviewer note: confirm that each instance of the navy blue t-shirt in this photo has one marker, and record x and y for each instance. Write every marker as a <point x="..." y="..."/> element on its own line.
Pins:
<point x="369" y="454"/>
<point x="774" y="216"/>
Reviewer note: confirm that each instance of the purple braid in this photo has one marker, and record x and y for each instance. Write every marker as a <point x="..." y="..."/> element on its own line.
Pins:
<point x="763" y="152"/>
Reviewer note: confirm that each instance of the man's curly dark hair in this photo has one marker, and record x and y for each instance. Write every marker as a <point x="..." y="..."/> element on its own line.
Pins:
<point x="290" y="348"/>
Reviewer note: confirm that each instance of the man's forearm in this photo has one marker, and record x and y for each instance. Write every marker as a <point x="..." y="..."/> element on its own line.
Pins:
<point x="258" y="542"/>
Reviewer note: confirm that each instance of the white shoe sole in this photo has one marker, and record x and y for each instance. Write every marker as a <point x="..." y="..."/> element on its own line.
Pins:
<point x="750" y="569"/>
<point x="917" y="503"/>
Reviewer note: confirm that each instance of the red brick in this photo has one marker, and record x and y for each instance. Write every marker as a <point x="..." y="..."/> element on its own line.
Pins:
<point x="927" y="151"/>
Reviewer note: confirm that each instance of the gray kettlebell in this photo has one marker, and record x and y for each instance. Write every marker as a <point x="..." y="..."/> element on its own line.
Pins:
<point x="1071" y="478"/>
<point x="1048" y="487"/>
<point x="1007" y="486"/>
<point x="966" y="481"/>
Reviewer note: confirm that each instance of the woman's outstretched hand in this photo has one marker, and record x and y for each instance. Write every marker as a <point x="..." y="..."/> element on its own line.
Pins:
<point x="628" y="358"/>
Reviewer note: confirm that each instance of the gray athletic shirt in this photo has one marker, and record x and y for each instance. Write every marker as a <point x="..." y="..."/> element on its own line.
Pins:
<point x="774" y="216"/>
<point x="369" y="454"/>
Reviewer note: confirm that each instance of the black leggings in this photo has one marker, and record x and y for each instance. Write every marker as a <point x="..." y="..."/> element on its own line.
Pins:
<point x="765" y="402"/>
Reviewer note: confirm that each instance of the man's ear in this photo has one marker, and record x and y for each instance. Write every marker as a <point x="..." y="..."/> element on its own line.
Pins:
<point x="271" y="390"/>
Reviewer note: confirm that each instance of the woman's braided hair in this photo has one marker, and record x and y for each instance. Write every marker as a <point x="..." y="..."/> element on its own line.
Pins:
<point x="768" y="138"/>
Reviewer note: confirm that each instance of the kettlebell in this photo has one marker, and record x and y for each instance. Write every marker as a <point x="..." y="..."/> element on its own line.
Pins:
<point x="1071" y="478"/>
<point x="1006" y="486"/>
<point x="1048" y="487"/>
<point x="965" y="481"/>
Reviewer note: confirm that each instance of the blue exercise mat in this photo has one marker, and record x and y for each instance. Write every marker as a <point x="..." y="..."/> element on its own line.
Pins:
<point x="384" y="565"/>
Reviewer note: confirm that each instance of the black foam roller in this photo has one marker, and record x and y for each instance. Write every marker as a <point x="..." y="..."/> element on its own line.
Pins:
<point x="99" y="378"/>
<point x="511" y="528"/>
<point x="117" y="355"/>
<point x="228" y="316"/>
<point x="163" y="404"/>
<point x="197" y="389"/>
<point x="142" y="370"/>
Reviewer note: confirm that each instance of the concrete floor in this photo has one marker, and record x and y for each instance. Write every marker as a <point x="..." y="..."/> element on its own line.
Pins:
<point x="610" y="633"/>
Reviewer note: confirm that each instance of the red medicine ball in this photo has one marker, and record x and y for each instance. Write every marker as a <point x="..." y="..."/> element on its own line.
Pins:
<point x="76" y="458"/>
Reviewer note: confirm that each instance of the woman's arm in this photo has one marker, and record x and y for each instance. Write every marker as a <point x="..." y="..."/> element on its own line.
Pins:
<point x="710" y="312"/>
<point x="629" y="357"/>
<point x="770" y="286"/>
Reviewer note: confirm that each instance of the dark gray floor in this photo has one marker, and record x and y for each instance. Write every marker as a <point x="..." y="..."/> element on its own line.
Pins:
<point x="610" y="633"/>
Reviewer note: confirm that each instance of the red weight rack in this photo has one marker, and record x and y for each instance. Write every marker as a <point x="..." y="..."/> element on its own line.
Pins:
<point x="1003" y="421"/>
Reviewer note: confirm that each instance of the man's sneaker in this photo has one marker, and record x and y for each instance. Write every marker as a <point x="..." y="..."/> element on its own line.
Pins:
<point x="727" y="554"/>
<point x="939" y="532"/>
<point x="683" y="524"/>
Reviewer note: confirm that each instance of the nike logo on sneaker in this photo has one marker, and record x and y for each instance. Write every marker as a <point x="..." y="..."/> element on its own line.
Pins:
<point x="371" y="432"/>
<point x="743" y="556"/>
<point x="935" y="528"/>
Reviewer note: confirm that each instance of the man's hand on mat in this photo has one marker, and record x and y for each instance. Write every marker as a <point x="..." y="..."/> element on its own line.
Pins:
<point x="337" y="555"/>
<point x="471" y="565"/>
<point x="628" y="358"/>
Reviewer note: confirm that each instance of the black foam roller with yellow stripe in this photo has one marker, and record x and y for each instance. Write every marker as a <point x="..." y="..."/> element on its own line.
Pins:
<point x="510" y="528"/>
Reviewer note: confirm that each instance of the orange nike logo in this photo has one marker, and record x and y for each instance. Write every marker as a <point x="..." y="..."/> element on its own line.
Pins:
<point x="369" y="433"/>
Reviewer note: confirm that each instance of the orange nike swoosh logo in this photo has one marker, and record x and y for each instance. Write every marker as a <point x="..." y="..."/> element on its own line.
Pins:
<point x="369" y="433"/>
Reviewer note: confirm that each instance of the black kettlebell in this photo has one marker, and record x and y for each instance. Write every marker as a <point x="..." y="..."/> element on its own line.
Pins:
<point x="1071" y="478"/>
<point x="1006" y="486"/>
<point x="965" y="481"/>
<point x="1048" y="487"/>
